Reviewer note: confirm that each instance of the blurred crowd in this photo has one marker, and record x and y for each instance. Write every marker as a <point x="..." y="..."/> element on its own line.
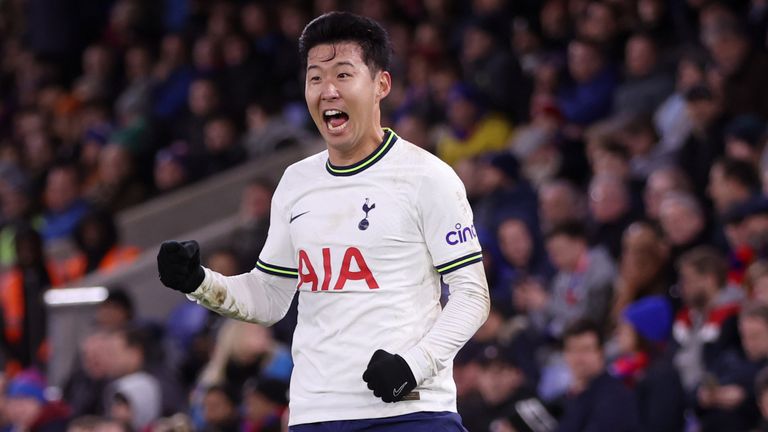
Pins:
<point x="613" y="151"/>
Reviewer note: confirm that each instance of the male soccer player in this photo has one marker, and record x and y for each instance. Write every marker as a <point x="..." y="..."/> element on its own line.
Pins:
<point x="364" y="231"/>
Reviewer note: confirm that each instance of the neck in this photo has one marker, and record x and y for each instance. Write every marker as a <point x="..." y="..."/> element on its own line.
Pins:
<point x="358" y="150"/>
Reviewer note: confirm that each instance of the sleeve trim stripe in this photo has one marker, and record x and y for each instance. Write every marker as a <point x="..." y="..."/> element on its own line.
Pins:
<point x="460" y="262"/>
<point x="277" y="270"/>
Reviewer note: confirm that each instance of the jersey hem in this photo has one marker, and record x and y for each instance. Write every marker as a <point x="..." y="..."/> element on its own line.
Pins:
<point x="324" y="415"/>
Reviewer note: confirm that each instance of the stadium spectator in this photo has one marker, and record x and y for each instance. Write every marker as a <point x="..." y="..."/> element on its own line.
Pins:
<point x="610" y="211"/>
<point x="596" y="400"/>
<point x="500" y="191"/>
<point x="473" y="131"/>
<point x="683" y="222"/>
<point x="643" y="266"/>
<point x="745" y="138"/>
<point x="506" y="396"/>
<point x="588" y="97"/>
<point x="24" y="314"/>
<point x="705" y="142"/>
<point x="731" y="182"/>
<point x="267" y="129"/>
<point x="493" y="72"/>
<point x="661" y="182"/>
<point x="251" y="233"/>
<point x="16" y="208"/>
<point x="522" y="256"/>
<point x="265" y="401"/>
<point x="173" y="77"/>
<point x="140" y="389"/>
<point x="646" y="84"/>
<point x="756" y="282"/>
<point x="742" y="66"/>
<point x="115" y="186"/>
<point x="705" y="326"/>
<point x="220" y="410"/>
<point x="641" y="335"/>
<point x="85" y="385"/>
<point x="726" y="398"/>
<point x="116" y="311"/>
<point x="582" y="286"/>
<point x="222" y="150"/>
<point x="671" y="118"/>
<point x="64" y="207"/>
<point x="560" y="202"/>
<point x="98" y="247"/>
<point x="172" y="168"/>
<point x="27" y="408"/>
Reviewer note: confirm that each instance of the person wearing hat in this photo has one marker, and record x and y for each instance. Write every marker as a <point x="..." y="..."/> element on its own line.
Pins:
<point x="27" y="408"/>
<point x="641" y="336"/>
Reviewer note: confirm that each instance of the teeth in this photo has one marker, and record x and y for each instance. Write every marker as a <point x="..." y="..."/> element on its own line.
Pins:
<point x="331" y="112"/>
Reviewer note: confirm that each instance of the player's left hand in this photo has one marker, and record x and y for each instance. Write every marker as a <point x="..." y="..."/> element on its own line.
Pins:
<point x="389" y="376"/>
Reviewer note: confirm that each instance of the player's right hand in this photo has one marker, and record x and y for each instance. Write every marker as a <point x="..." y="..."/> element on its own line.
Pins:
<point x="179" y="265"/>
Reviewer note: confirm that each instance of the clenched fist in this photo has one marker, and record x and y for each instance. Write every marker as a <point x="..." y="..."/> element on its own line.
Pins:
<point x="179" y="265"/>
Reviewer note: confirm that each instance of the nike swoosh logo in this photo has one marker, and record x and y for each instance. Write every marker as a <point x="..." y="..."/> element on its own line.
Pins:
<point x="396" y="392"/>
<point x="293" y="218"/>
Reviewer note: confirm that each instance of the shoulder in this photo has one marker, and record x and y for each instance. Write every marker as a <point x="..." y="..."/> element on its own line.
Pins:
<point x="309" y="166"/>
<point x="423" y="164"/>
<point x="302" y="172"/>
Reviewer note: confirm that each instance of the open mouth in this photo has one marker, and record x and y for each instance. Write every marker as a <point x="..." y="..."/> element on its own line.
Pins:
<point x="335" y="120"/>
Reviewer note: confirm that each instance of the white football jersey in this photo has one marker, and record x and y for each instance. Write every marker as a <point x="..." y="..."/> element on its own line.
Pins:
<point x="366" y="246"/>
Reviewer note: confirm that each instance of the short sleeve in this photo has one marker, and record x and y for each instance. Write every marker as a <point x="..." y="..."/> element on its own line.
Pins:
<point x="278" y="257"/>
<point x="446" y="221"/>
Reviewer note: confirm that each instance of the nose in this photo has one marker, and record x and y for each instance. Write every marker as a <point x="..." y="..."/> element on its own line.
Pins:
<point x="330" y="92"/>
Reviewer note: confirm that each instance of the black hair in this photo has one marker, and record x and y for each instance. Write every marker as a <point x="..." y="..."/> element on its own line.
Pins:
<point x="582" y="327"/>
<point x="572" y="229"/>
<point x="742" y="172"/>
<point x="706" y="260"/>
<point x="614" y="148"/>
<point x="230" y="392"/>
<point x="640" y="124"/>
<point x="119" y="297"/>
<point x="335" y="27"/>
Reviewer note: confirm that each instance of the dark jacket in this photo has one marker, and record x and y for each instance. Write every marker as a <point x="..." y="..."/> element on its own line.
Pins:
<point x="660" y="398"/>
<point x="732" y="368"/>
<point x="606" y="405"/>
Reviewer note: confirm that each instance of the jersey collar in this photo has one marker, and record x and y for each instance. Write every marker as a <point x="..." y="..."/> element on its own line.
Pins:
<point x="386" y="144"/>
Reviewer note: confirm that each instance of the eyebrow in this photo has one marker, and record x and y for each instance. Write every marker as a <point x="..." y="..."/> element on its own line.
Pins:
<point x="341" y="63"/>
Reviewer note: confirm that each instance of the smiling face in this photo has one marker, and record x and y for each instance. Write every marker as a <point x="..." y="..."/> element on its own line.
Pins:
<point x="343" y="97"/>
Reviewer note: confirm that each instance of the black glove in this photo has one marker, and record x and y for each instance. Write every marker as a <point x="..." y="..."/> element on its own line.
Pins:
<point x="179" y="265"/>
<point x="389" y="376"/>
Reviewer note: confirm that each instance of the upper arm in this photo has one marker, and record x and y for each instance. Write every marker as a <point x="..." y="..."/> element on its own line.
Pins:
<point x="446" y="222"/>
<point x="278" y="256"/>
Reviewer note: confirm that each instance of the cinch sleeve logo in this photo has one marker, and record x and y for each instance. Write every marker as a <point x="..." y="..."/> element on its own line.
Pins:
<point x="460" y="235"/>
